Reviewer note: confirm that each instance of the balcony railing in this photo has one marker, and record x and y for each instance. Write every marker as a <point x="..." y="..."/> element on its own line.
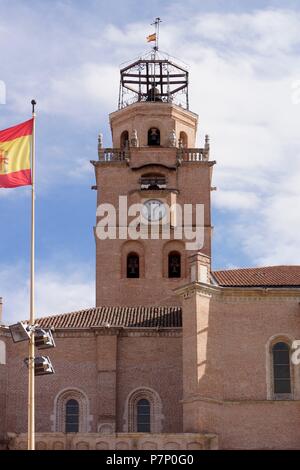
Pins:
<point x="183" y="154"/>
<point x="113" y="155"/>
<point x="193" y="155"/>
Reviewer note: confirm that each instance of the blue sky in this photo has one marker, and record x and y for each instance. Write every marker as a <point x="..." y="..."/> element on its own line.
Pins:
<point x="245" y="72"/>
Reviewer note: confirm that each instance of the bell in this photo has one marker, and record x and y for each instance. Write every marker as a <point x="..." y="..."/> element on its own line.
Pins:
<point x="153" y="94"/>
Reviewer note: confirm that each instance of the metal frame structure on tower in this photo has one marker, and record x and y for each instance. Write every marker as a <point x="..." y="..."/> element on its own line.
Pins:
<point x="154" y="77"/>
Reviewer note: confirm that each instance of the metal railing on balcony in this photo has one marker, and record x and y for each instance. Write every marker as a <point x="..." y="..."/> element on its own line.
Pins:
<point x="113" y="155"/>
<point x="153" y="182"/>
<point x="193" y="154"/>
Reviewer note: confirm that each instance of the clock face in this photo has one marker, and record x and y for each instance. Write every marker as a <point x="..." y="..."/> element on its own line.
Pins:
<point x="153" y="210"/>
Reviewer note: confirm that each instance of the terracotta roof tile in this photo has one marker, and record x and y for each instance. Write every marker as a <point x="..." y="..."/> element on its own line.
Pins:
<point x="143" y="317"/>
<point x="269" y="276"/>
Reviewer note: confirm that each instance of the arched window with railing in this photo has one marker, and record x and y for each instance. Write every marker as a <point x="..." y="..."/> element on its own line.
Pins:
<point x="153" y="181"/>
<point x="72" y="416"/>
<point x="281" y="368"/>
<point x="133" y="265"/>
<point x="174" y="264"/>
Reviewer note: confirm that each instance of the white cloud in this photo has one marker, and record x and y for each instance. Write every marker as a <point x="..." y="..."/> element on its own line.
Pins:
<point x="261" y="31"/>
<point x="57" y="291"/>
<point x="84" y="94"/>
<point x="236" y="200"/>
<point x="273" y="237"/>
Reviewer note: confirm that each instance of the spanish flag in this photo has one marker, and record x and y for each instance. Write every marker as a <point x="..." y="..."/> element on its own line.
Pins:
<point x="15" y="155"/>
<point x="151" y="37"/>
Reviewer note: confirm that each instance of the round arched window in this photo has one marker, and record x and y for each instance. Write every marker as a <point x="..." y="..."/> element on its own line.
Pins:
<point x="174" y="264"/>
<point x="133" y="265"/>
<point x="281" y="368"/>
<point x="153" y="136"/>
<point x="72" y="416"/>
<point x="143" y="415"/>
<point x="124" y="140"/>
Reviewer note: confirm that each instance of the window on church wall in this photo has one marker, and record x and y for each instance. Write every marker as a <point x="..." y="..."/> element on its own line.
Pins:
<point x="124" y="140"/>
<point x="133" y="265"/>
<point x="153" y="136"/>
<point x="174" y="264"/>
<point x="143" y="416"/>
<point x="143" y="412"/>
<point x="281" y="368"/>
<point x="72" y="416"/>
<point x="153" y="181"/>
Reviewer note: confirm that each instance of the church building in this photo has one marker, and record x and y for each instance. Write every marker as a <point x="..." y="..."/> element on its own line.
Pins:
<point x="174" y="355"/>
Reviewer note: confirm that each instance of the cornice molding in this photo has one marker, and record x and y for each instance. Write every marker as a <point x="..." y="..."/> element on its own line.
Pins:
<point x="199" y="162"/>
<point x="238" y="294"/>
<point x="222" y="402"/>
<point x="157" y="164"/>
<point x="117" y="331"/>
<point x="161" y="109"/>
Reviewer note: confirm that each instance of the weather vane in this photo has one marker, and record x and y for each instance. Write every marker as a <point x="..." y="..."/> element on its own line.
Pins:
<point x="155" y="36"/>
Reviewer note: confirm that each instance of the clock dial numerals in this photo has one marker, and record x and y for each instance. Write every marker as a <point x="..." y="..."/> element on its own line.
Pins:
<point x="154" y="210"/>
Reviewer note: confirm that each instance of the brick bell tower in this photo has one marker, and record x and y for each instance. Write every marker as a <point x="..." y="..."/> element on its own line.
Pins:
<point x="153" y="161"/>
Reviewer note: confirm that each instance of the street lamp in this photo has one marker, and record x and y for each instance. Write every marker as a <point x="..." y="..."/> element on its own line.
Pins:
<point x="42" y="365"/>
<point x="43" y="339"/>
<point x="20" y="332"/>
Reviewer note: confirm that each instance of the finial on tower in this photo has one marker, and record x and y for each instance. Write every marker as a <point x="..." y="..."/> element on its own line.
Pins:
<point x="155" y="36"/>
<point x="172" y="138"/>
<point x="207" y="142"/>
<point x="100" y="141"/>
<point x="206" y="148"/>
<point x="134" y="141"/>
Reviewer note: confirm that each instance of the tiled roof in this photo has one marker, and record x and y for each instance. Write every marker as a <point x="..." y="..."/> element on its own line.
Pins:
<point x="143" y="317"/>
<point x="270" y="276"/>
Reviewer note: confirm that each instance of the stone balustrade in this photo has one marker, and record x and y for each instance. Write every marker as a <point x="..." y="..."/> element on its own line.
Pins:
<point x="183" y="154"/>
<point x="193" y="154"/>
<point x="118" y="441"/>
<point x="113" y="155"/>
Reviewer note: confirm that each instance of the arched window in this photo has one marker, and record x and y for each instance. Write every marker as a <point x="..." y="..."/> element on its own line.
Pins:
<point x="174" y="264"/>
<point x="153" y="136"/>
<point x="183" y="139"/>
<point x="124" y="140"/>
<point x="133" y="265"/>
<point x="143" y="411"/>
<point x="71" y="402"/>
<point x="281" y="368"/>
<point x="143" y="415"/>
<point x="72" y="416"/>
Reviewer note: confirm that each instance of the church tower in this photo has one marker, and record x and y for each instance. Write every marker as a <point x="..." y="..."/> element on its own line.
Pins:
<point x="153" y="161"/>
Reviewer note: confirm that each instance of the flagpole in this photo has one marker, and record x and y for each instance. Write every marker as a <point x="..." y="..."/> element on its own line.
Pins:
<point x="31" y="394"/>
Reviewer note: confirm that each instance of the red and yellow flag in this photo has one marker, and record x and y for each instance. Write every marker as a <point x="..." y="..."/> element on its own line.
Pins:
<point x="151" y="37"/>
<point x="15" y="155"/>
